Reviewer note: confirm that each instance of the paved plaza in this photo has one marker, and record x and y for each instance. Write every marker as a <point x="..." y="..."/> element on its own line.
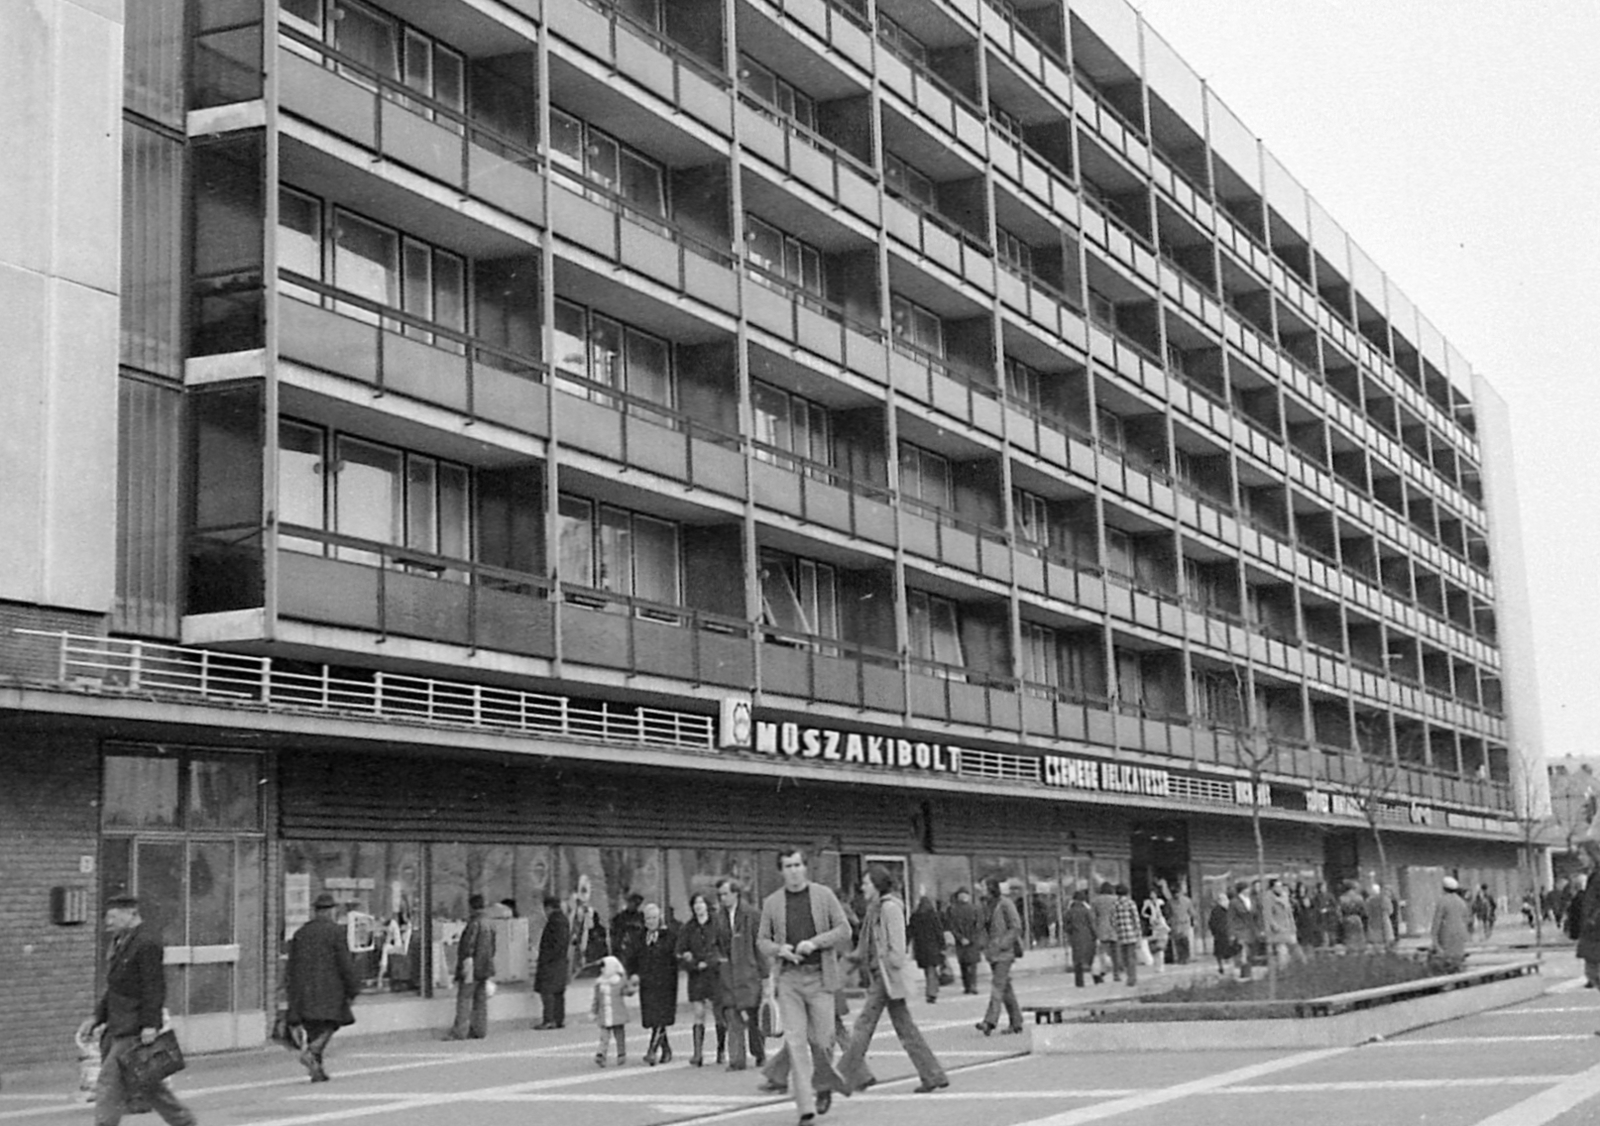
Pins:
<point x="1525" y="1065"/>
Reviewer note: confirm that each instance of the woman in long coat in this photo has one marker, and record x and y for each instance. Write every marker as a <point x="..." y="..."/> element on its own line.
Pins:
<point x="926" y="932"/>
<point x="551" y="971"/>
<point x="653" y="966"/>
<point x="697" y="953"/>
<point x="1081" y="939"/>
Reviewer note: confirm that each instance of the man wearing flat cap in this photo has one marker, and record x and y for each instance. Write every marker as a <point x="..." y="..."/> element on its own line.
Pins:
<point x="322" y="983"/>
<point x="129" y="1013"/>
<point x="474" y="969"/>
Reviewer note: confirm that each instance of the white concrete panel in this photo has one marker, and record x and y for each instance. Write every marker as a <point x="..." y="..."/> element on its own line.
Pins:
<point x="1519" y="674"/>
<point x="87" y="84"/>
<point x="81" y="450"/>
<point x="109" y="9"/>
<point x="25" y="122"/>
<point x="23" y="372"/>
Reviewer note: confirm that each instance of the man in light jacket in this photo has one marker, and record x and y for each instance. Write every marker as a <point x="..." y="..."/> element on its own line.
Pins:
<point x="474" y="969"/>
<point x="802" y="929"/>
<point x="882" y="950"/>
<point x="1004" y="945"/>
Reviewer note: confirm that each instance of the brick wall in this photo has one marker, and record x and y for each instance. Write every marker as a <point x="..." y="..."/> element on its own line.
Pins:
<point x="49" y="818"/>
<point x="35" y="658"/>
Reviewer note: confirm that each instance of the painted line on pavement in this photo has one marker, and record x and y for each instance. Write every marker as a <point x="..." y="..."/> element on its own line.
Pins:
<point x="1444" y="1041"/>
<point x="1183" y="1090"/>
<point x="1544" y="1106"/>
<point x="1392" y="1084"/>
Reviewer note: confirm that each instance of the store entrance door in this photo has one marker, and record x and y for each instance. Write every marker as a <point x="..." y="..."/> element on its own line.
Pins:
<point x="1160" y="854"/>
<point x="202" y="897"/>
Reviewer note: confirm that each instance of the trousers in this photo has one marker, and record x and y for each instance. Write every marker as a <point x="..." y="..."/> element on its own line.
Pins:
<point x="878" y="999"/>
<point x="111" y="1094"/>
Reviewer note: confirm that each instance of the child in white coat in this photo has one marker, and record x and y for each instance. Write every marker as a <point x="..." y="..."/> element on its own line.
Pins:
<point x="610" y="1009"/>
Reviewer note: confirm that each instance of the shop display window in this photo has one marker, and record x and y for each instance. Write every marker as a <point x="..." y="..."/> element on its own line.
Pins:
<point x="698" y="869"/>
<point x="939" y="878"/>
<point x="378" y="889"/>
<point x="1046" y="901"/>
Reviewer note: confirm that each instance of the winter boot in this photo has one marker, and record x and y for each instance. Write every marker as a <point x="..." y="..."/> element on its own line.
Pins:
<point x="722" y="1043"/>
<point x="666" y="1047"/>
<point x="698" y="1059"/>
<point x="655" y="1046"/>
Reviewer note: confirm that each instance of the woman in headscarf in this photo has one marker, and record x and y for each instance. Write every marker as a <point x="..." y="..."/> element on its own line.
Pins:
<point x="653" y="968"/>
<point x="927" y="945"/>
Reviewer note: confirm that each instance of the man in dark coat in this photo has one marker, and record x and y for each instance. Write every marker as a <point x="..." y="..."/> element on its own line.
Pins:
<point x="474" y="970"/>
<point x="966" y="927"/>
<point x="627" y="928"/>
<point x="322" y="982"/>
<point x="550" y="971"/>
<point x="129" y="1013"/>
<point x="926" y="932"/>
<point x="743" y="971"/>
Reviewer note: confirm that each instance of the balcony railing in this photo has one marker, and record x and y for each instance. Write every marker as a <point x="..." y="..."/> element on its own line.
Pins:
<point x="628" y="211"/>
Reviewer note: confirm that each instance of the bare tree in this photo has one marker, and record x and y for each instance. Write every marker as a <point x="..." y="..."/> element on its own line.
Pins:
<point x="1537" y="828"/>
<point x="1255" y="752"/>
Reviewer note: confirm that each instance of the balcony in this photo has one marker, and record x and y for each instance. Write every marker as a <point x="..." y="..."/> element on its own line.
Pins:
<point x="809" y="490"/>
<point x="810" y="322"/>
<point x="955" y="694"/>
<point x="395" y="352"/>
<point x="831" y="671"/>
<point x="395" y="122"/>
<point x="812" y="159"/>
<point x="940" y="241"/>
<point x="952" y="388"/>
<point x="939" y="534"/>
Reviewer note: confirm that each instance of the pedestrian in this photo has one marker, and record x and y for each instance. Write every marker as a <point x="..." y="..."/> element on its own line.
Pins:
<point x="1277" y="923"/>
<point x="966" y="927"/>
<point x="1221" y="935"/>
<point x="741" y="970"/>
<point x="1305" y="916"/>
<point x="1125" y="921"/>
<point x="627" y="928"/>
<point x="1380" y="918"/>
<point x="589" y="940"/>
<point x="610" y="1009"/>
<point x="653" y="970"/>
<point x="775" y="1073"/>
<point x="321" y="983"/>
<point x="474" y="970"/>
<point x="1184" y="923"/>
<point x="1004" y="946"/>
<point x="130" y="1013"/>
<point x="1484" y="910"/>
<point x="1352" y="917"/>
<point x="1244" y="927"/>
<point x="1104" y="905"/>
<point x="803" y="928"/>
<point x="697" y="954"/>
<point x="551" y="974"/>
<point x="1081" y="941"/>
<point x="926" y="933"/>
<point x="1584" y="918"/>
<point x="1157" y="929"/>
<point x="882" y="952"/>
<point x="1448" y="932"/>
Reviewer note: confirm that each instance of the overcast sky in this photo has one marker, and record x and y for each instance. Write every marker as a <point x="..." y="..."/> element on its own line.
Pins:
<point x="1458" y="142"/>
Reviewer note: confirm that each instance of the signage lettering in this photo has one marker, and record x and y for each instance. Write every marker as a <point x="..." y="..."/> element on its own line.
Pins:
<point x="1111" y="777"/>
<point x="794" y="741"/>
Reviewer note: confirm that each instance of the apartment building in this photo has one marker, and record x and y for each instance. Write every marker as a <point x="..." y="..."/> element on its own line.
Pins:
<point x="578" y="447"/>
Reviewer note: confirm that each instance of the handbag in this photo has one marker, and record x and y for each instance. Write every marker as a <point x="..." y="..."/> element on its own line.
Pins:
<point x="769" y="1019"/>
<point x="145" y="1065"/>
<point x="946" y="975"/>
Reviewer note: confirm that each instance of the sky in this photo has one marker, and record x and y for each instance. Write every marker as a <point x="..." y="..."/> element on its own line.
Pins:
<point x="1458" y="143"/>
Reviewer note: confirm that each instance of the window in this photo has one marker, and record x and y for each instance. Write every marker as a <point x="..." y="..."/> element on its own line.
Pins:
<point x="781" y="255"/>
<point x="1040" y="660"/>
<point x="1218" y="699"/>
<point x="925" y="476"/>
<point x="608" y="548"/>
<point x="791" y="424"/>
<point x="372" y="261"/>
<point x="372" y="492"/>
<point x="620" y="172"/>
<point x="1006" y="123"/>
<point x="168" y="788"/>
<point x="906" y="182"/>
<point x="1031" y="517"/>
<point x="1015" y="255"/>
<point x="1102" y="310"/>
<point x="799" y="595"/>
<point x="1119" y="552"/>
<point x="901" y="41"/>
<point x="382" y="45"/>
<point x="917" y="326"/>
<point x="934" y="631"/>
<point x="1111" y="431"/>
<point x="786" y="102"/>
<point x="611" y="354"/>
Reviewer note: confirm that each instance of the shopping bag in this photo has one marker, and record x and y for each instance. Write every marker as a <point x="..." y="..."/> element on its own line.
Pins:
<point x="1143" y="953"/>
<point x="145" y="1065"/>
<point x="769" y="1019"/>
<point x="88" y="1063"/>
<point x="947" y="976"/>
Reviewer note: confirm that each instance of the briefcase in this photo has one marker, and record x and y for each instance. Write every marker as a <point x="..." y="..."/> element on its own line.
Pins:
<point x="145" y="1065"/>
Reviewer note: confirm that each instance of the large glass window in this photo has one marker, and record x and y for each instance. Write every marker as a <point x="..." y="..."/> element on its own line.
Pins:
<point x="609" y="353"/>
<point x="934" y="631"/>
<point x="905" y="181"/>
<point x="781" y="255"/>
<point x="925" y="476"/>
<point x="608" y="548"/>
<point x="781" y="98"/>
<point x="799" y="595"/>
<point x="378" y="889"/>
<point x="788" y="423"/>
<point x="597" y="157"/>
<point x="916" y="325"/>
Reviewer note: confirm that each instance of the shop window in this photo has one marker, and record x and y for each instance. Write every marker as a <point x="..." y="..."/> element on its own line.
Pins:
<point x="140" y="792"/>
<point x="378" y="889"/>
<point x="799" y="595"/>
<point x="173" y="789"/>
<point x="935" y="633"/>
<point x="605" y="353"/>
<point x="608" y="548"/>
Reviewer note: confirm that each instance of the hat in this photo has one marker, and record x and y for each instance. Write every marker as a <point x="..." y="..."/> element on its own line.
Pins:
<point x="1450" y="884"/>
<point x="324" y="901"/>
<point x="475" y="902"/>
<point x="127" y="902"/>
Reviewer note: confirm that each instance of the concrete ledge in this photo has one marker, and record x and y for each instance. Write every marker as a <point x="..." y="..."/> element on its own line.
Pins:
<point x="1338" y="1031"/>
